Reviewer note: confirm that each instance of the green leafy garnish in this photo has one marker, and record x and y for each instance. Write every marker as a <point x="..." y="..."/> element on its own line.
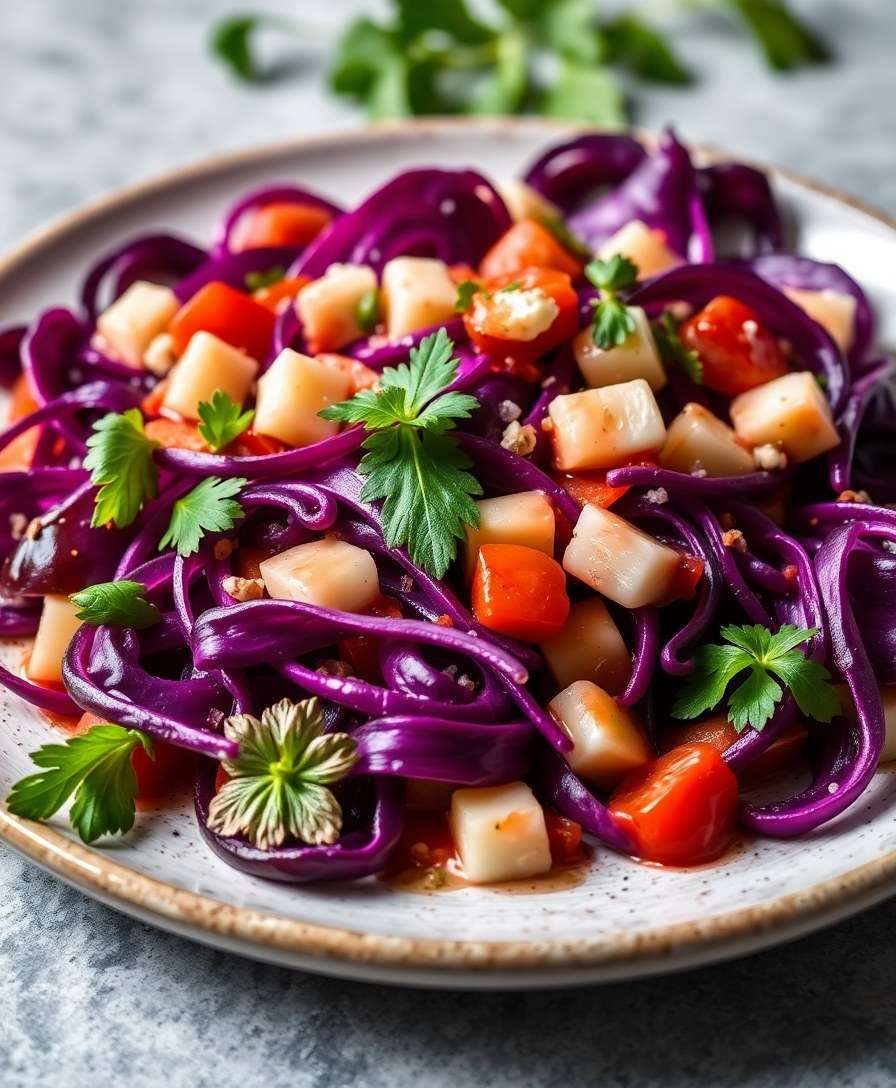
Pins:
<point x="634" y="44"/>
<point x="115" y="604"/>
<point x="120" y="462"/>
<point x="209" y="508"/>
<point x="785" y="41"/>
<point x="766" y="656"/>
<point x="277" y="790"/>
<point x="612" y="322"/>
<point x="368" y="309"/>
<point x="465" y="291"/>
<point x="231" y="42"/>
<point x="221" y="420"/>
<point x="95" y="768"/>
<point x="411" y="461"/>
<point x="583" y="92"/>
<point x="557" y="226"/>
<point x="256" y="280"/>
<point x="665" y="332"/>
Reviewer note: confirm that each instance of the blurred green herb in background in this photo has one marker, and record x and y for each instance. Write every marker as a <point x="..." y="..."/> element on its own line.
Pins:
<point x="554" y="57"/>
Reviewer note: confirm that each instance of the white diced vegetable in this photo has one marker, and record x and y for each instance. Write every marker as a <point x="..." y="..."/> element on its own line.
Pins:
<point x="617" y="559"/>
<point x="607" y="740"/>
<point x="417" y="292"/>
<point x="524" y="202"/>
<point x="602" y="428"/>
<point x="292" y="392"/>
<point x="500" y="833"/>
<point x="328" y="307"/>
<point x="831" y="309"/>
<point x="790" y="412"/>
<point x="132" y="321"/>
<point x="207" y="365"/>
<point x="698" y="441"/>
<point x="645" y="247"/>
<point x="58" y="623"/>
<point x="526" y="518"/>
<point x="522" y="314"/>
<point x="589" y="647"/>
<point x="636" y="358"/>
<point x="328" y="572"/>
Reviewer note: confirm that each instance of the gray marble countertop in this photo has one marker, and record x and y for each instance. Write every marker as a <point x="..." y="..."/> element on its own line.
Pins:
<point x="97" y="93"/>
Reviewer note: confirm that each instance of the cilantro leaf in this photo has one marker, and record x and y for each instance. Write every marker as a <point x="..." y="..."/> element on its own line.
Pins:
<point x="766" y="656"/>
<point x="96" y="768"/>
<point x="367" y="311"/>
<point x="613" y="323"/>
<point x="786" y="41"/>
<point x="432" y="366"/>
<point x="117" y="604"/>
<point x="643" y="49"/>
<point x="612" y="275"/>
<point x="665" y="332"/>
<point x="120" y="462"/>
<point x="231" y="42"/>
<point x="221" y="420"/>
<point x="209" y="508"/>
<point x="583" y="92"/>
<point x="256" y="280"/>
<point x="465" y="291"/>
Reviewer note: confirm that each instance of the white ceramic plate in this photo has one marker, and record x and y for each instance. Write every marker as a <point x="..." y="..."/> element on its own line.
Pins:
<point x="625" y="919"/>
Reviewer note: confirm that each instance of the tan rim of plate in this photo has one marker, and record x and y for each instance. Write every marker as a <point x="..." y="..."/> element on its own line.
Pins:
<point x="176" y="908"/>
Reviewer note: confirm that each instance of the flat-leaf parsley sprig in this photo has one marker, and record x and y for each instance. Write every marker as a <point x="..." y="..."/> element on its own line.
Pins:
<point x="612" y="320"/>
<point x="221" y="420"/>
<point x="766" y="656"/>
<point x="116" y="604"/>
<point x="412" y="462"/>
<point x="211" y="507"/>
<point x="120" y="462"/>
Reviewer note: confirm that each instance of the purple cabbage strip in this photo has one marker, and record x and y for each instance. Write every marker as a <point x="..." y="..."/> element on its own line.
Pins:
<point x="232" y="268"/>
<point x="736" y="193"/>
<point x="56" y="702"/>
<point x="572" y="798"/>
<point x="11" y="339"/>
<point x="864" y="389"/>
<point x="647" y="641"/>
<point x="688" y="485"/>
<point x="571" y="173"/>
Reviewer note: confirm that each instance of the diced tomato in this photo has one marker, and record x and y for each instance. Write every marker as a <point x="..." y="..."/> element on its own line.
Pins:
<point x="425" y="841"/>
<point x="520" y="592"/>
<point x="151" y="404"/>
<point x="461" y="273"/>
<point x="679" y="809"/>
<point x="780" y="755"/>
<point x="359" y="376"/>
<point x="157" y="776"/>
<point x="685" y="581"/>
<point x="737" y="351"/>
<point x="564" y="836"/>
<point x="277" y="295"/>
<point x="279" y="224"/>
<point x="227" y="313"/>
<point x="528" y="245"/>
<point x="590" y="487"/>
<point x="486" y="324"/>
<point x="175" y="434"/>
<point x="22" y="401"/>
<point x="362" y="651"/>
<point x="17" y="456"/>
<point x="251" y="444"/>
<point x="221" y="778"/>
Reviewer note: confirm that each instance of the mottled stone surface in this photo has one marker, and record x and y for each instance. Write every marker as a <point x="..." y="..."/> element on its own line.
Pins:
<point x="96" y="93"/>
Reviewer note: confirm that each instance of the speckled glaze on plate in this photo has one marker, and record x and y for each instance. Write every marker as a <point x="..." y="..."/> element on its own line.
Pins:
<point x="625" y="919"/>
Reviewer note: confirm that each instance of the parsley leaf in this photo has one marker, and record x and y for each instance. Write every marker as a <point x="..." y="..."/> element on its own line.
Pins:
<point x="465" y="291"/>
<point x="769" y="658"/>
<point x="367" y="311"/>
<point x="641" y="48"/>
<point x="96" y="768"/>
<point x="119" y="460"/>
<point x="209" y="508"/>
<point x="785" y="41"/>
<point x="256" y="280"/>
<point x="411" y="461"/>
<point x="612" y="320"/>
<point x="221" y="420"/>
<point x="584" y="92"/>
<point x="231" y="42"/>
<point x="277" y="786"/>
<point x="612" y="275"/>
<point x="672" y="350"/>
<point x="116" y="604"/>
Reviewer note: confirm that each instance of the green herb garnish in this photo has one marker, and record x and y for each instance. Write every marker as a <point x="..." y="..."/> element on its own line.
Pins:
<point x="221" y="420"/>
<point x="120" y="462"/>
<point x="115" y="604"/>
<point x="209" y="508"/>
<point x="612" y="322"/>
<point x="665" y="332"/>
<point x="367" y="311"/>
<point x="256" y="280"/>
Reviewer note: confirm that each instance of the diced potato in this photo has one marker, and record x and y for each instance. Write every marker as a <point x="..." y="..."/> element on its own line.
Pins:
<point x="790" y="412"/>
<point x="699" y="441"/>
<point x="207" y="365"/>
<point x="614" y="557"/>
<point x="607" y="741"/>
<point x="417" y="292"/>
<point x="524" y="202"/>
<point x="525" y="518"/>
<point x="589" y="647"/>
<point x="58" y="623"/>
<point x="636" y="358"/>
<point x="132" y="321"/>
<point x="522" y="315"/>
<point x="291" y="393"/>
<point x="601" y="428"/>
<point x="831" y="309"/>
<point x="328" y="307"/>
<point x="329" y="572"/>
<point x="645" y="247"/>
<point x="500" y="833"/>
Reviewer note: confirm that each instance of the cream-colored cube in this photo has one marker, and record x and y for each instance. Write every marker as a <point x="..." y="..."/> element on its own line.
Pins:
<point x="58" y="623"/>
<point x="636" y="358"/>
<point x="328" y="307"/>
<point x="526" y="518"/>
<point x="834" y="311"/>
<point x="524" y="202"/>
<point x="522" y="314"/>
<point x="644" y="246"/>
<point x="620" y="561"/>
<point x="417" y="292"/>
<point x="331" y="573"/>
<point x="790" y="412"/>
<point x="134" y="319"/>
<point x="208" y="364"/>
<point x="698" y="441"/>
<point x="589" y="647"/>
<point x="500" y="833"/>
<point x="602" y="428"/>
<point x="607" y="740"/>
<point x="292" y="392"/>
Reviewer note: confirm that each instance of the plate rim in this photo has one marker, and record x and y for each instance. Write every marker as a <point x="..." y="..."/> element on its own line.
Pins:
<point x="249" y="930"/>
